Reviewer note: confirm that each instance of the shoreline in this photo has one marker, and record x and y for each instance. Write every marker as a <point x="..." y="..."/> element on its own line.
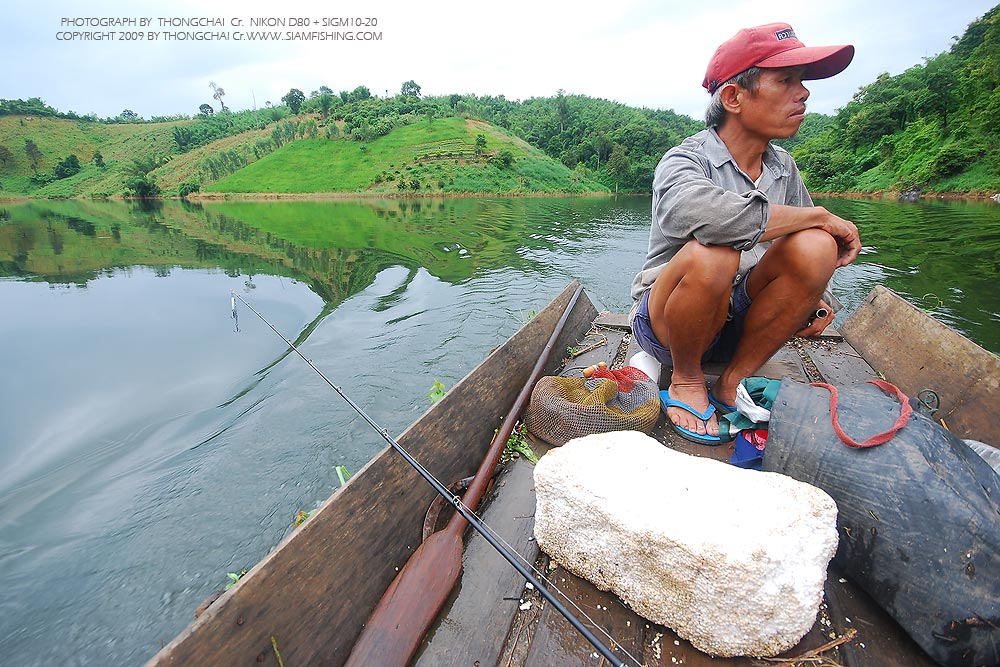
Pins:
<point x="344" y="196"/>
<point x="316" y="196"/>
<point x="896" y="195"/>
<point x="319" y="196"/>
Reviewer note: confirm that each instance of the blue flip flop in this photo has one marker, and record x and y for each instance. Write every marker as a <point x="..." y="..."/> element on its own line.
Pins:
<point x="687" y="434"/>
<point x="727" y="429"/>
<point x="721" y="407"/>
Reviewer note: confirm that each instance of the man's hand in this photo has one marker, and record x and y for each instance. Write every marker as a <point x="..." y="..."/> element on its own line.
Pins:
<point x="786" y="220"/>
<point x="817" y="325"/>
<point x="845" y="233"/>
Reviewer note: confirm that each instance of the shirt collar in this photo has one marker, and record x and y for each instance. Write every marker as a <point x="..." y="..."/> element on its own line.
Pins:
<point x="718" y="153"/>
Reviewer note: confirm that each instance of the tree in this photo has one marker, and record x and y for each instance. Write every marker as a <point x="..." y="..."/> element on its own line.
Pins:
<point x="129" y="116"/>
<point x="206" y="110"/>
<point x="480" y="144"/>
<point x="186" y="188"/>
<point x="410" y="89"/>
<point x="358" y="94"/>
<point x="34" y="154"/>
<point x="504" y="159"/>
<point x="562" y="109"/>
<point x="142" y="187"/>
<point x="602" y="148"/>
<point x="293" y="99"/>
<point x="139" y="180"/>
<point x="325" y="103"/>
<point x="218" y="93"/>
<point x="618" y="165"/>
<point x="940" y="95"/>
<point x="6" y="156"/>
<point x="70" y="166"/>
<point x="98" y="160"/>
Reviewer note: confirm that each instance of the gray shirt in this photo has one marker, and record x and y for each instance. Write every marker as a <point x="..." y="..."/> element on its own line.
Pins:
<point x="700" y="193"/>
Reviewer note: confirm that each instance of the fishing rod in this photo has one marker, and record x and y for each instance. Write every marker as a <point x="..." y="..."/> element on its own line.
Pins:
<point x="452" y="499"/>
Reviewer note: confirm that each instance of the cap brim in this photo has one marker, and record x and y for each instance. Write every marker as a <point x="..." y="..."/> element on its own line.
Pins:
<point x="822" y="61"/>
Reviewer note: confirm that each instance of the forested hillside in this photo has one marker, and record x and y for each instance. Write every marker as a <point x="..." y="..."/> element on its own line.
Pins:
<point x="932" y="128"/>
<point x="620" y="144"/>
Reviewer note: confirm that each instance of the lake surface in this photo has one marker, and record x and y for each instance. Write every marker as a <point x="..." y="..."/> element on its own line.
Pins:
<point x="150" y="443"/>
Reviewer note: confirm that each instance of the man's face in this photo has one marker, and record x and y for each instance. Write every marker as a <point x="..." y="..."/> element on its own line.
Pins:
<point x="776" y="109"/>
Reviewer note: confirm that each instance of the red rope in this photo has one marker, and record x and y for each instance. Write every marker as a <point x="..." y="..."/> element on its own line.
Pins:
<point x="625" y="377"/>
<point x="905" y="411"/>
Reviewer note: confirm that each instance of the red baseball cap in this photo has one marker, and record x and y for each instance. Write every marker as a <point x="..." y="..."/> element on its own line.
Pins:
<point x="773" y="45"/>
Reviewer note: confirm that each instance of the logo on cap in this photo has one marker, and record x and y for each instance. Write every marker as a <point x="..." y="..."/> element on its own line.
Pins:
<point x="787" y="33"/>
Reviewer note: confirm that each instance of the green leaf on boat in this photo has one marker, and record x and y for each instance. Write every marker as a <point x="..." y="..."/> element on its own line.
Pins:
<point x="342" y="475"/>
<point x="437" y="392"/>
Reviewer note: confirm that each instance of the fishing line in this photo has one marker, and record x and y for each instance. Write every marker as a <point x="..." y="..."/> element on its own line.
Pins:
<point x="488" y="534"/>
<point x="550" y="584"/>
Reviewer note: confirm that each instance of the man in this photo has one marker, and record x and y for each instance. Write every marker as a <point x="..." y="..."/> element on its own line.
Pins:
<point x="738" y="255"/>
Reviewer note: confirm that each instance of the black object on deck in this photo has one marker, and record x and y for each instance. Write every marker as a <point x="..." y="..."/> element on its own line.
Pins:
<point x="919" y="516"/>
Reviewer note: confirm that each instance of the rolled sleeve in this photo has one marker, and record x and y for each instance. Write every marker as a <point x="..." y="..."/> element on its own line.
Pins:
<point x="690" y="205"/>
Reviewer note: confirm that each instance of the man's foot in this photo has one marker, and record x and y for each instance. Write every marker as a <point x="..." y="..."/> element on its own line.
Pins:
<point x="703" y="417"/>
<point x="721" y="407"/>
<point x="723" y="394"/>
<point x="694" y="397"/>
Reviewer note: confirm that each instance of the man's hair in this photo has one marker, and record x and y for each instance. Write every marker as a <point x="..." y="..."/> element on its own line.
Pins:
<point x="715" y="114"/>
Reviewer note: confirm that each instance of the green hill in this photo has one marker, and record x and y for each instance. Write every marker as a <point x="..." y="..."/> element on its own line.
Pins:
<point x="435" y="155"/>
<point x="34" y="148"/>
<point x="932" y="128"/>
<point x="58" y="138"/>
<point x="439" y="155"/>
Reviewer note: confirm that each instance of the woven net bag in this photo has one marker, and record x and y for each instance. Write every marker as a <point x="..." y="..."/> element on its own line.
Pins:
<point x="563" y="408"/>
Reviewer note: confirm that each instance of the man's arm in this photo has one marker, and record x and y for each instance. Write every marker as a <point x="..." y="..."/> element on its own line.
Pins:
<point x="687" y="204"/>
<point x="784" y="220"/>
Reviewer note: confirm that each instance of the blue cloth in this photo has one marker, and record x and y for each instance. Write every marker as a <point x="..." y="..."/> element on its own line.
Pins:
<point x="746" y="454"/>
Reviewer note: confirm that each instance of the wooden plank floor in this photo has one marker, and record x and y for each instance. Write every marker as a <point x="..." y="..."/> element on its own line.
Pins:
<point x="492" y="614"/>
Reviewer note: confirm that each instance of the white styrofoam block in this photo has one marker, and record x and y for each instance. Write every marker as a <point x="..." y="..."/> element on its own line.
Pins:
<point x="732" y="560"/>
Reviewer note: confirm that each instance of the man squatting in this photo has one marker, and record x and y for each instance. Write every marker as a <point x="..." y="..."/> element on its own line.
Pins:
<point x="739" y="257"/>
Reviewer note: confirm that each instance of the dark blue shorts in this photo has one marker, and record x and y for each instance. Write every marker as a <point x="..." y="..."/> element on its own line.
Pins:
<point x="723" y="346"/>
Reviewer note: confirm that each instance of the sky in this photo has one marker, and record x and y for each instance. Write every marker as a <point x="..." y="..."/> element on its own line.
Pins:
<point x="644" y="53"/>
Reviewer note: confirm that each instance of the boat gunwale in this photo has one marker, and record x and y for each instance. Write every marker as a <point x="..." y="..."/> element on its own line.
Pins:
<point x="313" y="596"/>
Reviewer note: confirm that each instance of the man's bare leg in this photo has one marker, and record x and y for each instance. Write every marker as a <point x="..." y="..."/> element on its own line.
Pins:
<point x="688" y="304"/>
<point x="785" y="287"/>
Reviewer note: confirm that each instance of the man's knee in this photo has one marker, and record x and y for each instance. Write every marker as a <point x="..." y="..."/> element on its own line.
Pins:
<point x="712" y="267"/>
<point x="810" y="254"/>
<point x="815" y="246"/>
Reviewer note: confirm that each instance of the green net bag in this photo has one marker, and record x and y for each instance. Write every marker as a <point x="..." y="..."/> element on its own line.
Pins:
<point x="563" y="408"/>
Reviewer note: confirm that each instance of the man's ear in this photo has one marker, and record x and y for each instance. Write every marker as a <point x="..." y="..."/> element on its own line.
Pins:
<point x="731" y="96"/>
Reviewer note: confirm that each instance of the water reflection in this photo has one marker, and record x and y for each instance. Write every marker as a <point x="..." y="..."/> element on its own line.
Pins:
<point x="337" y="248"/>
<point x="146" y="449"/>
<point x="942" y="256"/>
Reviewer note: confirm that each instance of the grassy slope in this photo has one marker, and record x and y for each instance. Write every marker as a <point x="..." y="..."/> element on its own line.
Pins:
<point x="426" y="157"/>
<point x="439" y="156"/>
<point x="187" y="166"/>
<point x="57" y="138"/>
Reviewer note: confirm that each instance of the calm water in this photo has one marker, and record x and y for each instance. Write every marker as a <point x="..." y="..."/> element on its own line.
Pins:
<point x="147" y="447"/>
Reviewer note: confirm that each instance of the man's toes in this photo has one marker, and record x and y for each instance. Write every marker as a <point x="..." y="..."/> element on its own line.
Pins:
<point x="688" y="421"/>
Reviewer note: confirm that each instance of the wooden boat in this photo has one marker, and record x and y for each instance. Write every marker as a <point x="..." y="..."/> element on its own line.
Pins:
<point x="311" y="597"/>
